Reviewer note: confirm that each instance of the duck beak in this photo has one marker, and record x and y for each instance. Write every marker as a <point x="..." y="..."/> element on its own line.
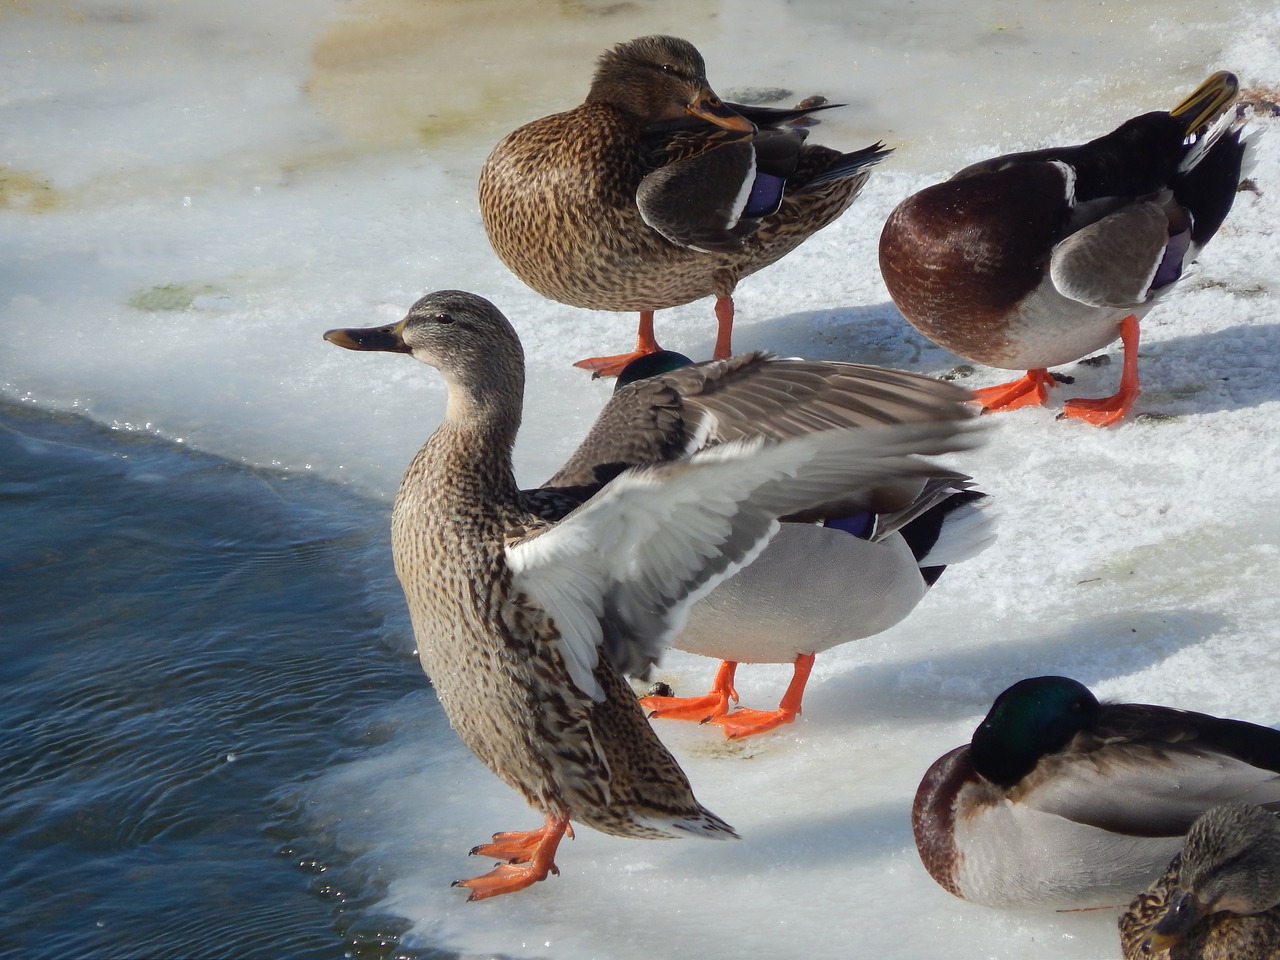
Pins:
<point x="1185" y="911"/>
<point x="711" y="108"/>
<point x="1209" y="102"/>
<point x="389" y="339"/>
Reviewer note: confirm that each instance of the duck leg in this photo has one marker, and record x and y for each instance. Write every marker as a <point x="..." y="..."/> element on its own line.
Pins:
<point x="746" y="723"/>
<point x="1029" y="390"/>
<point x="645" y="344"/>
<point x="1107" y="410"/>
<point x="530" y="856"/>
<point x="724" y="328"/>
<point x="714" y="704"/>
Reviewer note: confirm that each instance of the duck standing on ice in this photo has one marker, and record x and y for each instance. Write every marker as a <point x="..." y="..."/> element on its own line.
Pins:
<point x="528" y="607"/>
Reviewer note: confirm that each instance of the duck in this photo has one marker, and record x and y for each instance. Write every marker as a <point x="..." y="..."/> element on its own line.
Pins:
<point x="530" y="610"/>
<point x="1031" y="260"/>
<point x="826" y="578"/>
<point x="654" y="192"/>
<point x="1220" y="897"/>
<point x="1063" y="801"/>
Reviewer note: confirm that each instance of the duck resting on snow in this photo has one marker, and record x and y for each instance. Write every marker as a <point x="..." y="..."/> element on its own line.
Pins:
<point x="1064" y="801"/>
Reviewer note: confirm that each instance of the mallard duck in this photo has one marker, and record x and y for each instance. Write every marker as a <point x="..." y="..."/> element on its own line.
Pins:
<point x="654" y="192"/>
<point x="1220" y="897"/>
<point x="1036" y="259"/>
<point x="1061" y="800"/>
<point x="831" y="577"/>
<point x="514" y="597"/>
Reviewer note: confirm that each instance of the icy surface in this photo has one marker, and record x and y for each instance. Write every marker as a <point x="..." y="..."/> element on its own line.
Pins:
<point x="191" y="197"/>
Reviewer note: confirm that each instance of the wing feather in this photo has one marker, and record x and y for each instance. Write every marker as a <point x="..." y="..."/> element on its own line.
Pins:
<point x="622" y="571"/>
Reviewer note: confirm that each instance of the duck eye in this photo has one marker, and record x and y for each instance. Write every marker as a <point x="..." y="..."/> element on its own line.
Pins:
<point x="442" y="318"/>
<point x="668" y="68"/>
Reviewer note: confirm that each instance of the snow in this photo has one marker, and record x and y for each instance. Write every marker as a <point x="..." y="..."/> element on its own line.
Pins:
<point x="193" y="193"/>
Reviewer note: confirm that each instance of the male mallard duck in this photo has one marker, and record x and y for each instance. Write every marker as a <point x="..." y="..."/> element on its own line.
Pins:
<point x="834" y="576"/>
<point x="654" y="192"/>
<point x="513" y="598"/>
<point x="1220" y="897"/>
<point x="1035" y="259"/>
<point x="1061" y="800"/>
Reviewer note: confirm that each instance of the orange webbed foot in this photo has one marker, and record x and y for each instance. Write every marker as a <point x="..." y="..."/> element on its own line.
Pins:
<point x="516" y="846"/>
<point x="646" y="344"/>
<point x="610" y="366"/>
<point x="531" y="855"/>
<point x="1102" y="412"/>
<point x="701" y="709"/>
<point x="1031" y="389"/>
<point x="1108" y="410"/>
<point x="747" y="723"/>
<point x="504" y="878"/>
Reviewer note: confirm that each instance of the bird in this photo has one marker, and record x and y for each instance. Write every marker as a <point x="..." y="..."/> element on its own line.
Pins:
<point x="1031" y="260"/>
<point x="654" y="192"/>
<point x="1220" y="897"/>
<point x="828" y="578"/>
<point x="1064" y="801"/>
<point x="529" y="610"/>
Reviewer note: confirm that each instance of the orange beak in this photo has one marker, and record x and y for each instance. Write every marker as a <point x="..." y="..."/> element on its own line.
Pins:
<point x="711" y="108"/>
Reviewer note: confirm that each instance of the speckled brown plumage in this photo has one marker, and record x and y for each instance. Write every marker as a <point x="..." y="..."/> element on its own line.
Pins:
<point x="525" y="621"/>
<point x="512" y="704"/>
<point x="1236" y="846"/>
<point x="559" y="195"/>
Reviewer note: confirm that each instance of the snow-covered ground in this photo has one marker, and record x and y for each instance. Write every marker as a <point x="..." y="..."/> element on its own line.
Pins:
<point x="192" y="193"/>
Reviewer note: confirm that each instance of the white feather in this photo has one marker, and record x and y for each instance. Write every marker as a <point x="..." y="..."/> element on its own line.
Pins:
<point x="657" y="539"/>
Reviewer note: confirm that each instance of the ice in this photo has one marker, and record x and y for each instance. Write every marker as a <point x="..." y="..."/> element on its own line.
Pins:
<point x="192" y="194"/>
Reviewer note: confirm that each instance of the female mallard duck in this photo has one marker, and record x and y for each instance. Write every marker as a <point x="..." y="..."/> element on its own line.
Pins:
<point x="1035" y="259"/>
<point x="654" y="192"/>
<point x="834" y="576"/>
<point x="1061" y="800"/>
<point x="511" y="609"/>
<point x="1220" y="897"/>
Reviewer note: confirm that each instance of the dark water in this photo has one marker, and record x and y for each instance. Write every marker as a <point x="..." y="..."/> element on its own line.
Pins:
<point x="183" y="643"/>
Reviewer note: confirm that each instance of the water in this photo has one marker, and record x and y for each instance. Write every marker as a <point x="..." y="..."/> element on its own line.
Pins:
<point x="217" y="741"/>
<point x="185" y="641"/>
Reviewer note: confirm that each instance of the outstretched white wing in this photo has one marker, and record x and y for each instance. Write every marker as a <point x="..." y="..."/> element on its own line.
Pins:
<point x="622" y="571"/>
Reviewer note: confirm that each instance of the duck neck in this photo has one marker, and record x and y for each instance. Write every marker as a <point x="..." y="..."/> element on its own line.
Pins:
<point x="479" y="431"/>
<point x="488" y="418"/>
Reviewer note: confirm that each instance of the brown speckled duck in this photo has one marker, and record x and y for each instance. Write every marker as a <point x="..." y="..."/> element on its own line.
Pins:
<point x="526" y="616"/>
<point x="1031" y="260"/>
<point x="1220" y="897"/>
<point x="654" y="192"/>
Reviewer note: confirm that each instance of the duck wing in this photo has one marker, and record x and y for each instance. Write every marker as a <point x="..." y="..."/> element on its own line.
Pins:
<point x="1112" y="262"/>
<point x="1150" y="771"/>
<point x="710" y="190"/>
<point x="621" y="572"/>
<point x="669" y="416"/>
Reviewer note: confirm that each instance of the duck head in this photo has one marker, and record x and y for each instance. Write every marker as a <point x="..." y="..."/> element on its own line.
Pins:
<point x="1032" y="718"/>
<point x="659" y="78"/>
<point x="1230" y="863"/>
<point x="464" y="336"/>
<point x="650" y="365"/>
